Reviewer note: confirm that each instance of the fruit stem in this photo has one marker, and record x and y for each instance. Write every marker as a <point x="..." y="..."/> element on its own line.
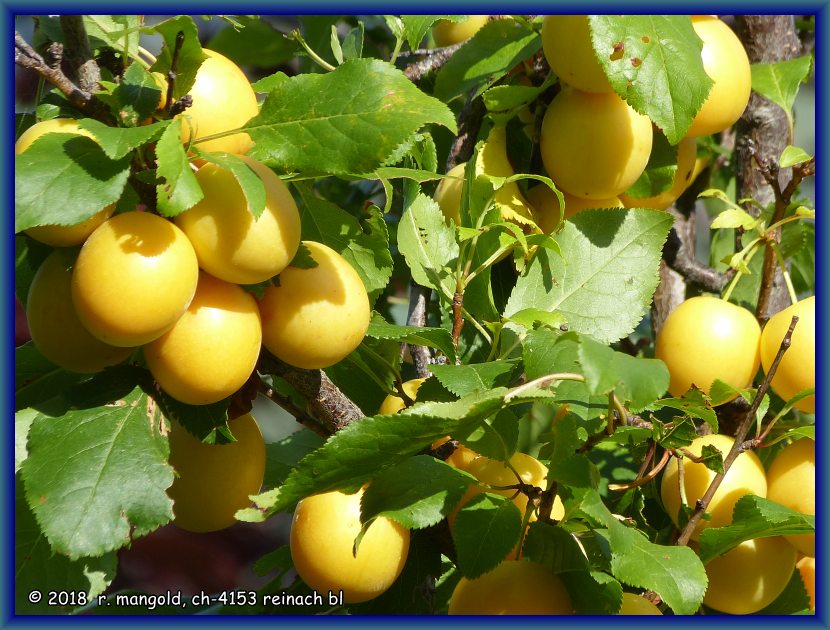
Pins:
<point x="752" y="249"/>
<point x="740" y="436"/>
<point x="297" y="37"/>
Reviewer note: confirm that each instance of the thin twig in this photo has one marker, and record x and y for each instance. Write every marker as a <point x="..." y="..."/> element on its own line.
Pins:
<point x="740" y="440"/>
<point x="430" y="61"/>
<point x="418" y="303"/>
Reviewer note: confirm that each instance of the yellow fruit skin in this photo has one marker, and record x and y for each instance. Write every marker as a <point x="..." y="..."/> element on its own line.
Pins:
<point x="393" y="404"/>
<point x="447" y="33"/>
<point x="566" y="41"/>
<point x="745" y="476"/>
<point x="807" y="567"/>
<point x="315" y="317"/>
<point x="687" y="170"/>
<point x="637" y="605"/>
<point x="134" y="277"/>
<point x="322" y="538"/>
<point x="60" y="235"/>
<point x="791" y="481"/>
<point x="215" y="480"/>
<point x="460" y="458"/>
<point x="229" y="242"/>
<point x="594" y="145"/>
<point x="797" y="369"/>
<point x="448" y="193"/>
<point x="223" y="99"/>
<point x="545" y="206"/>
<point x="514" y="587"/>
<point x="54" y="325"/>
<point x="706" y="338"/>
<point x="726" y="62"/>
<point x="750" y="576"/>
<point x="212" y="349"/>
<point x="496" y="473"/>
<point x="493" y="161"/>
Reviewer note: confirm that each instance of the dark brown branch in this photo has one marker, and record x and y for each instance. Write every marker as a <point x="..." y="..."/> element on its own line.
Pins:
<point x="679" y="254"/>
<point x="418" y="303"/>
<point x="326" y="402"/>
<point x="740" y="440"/>
<point x="78" y="53"/>
<point x="469" y="124"/>
<point x="430" y="62"/>
<point x="26" y="57"/>
<point x="300" y="415"/>
<point x="457" y="317"/>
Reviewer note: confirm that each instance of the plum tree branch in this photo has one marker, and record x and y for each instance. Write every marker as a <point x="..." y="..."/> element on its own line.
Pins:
<point x="78" y="54"/>
<point x="740" y="444"/>
<point x="26" y="57"/>
<point x="327" y="404"/>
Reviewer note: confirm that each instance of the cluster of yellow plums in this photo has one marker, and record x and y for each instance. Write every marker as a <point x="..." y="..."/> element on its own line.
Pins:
<point x="593" y="145"/>
<point x="173" y="287"/>
<point x="707" y="338"/>
<point x="750" y="576"/>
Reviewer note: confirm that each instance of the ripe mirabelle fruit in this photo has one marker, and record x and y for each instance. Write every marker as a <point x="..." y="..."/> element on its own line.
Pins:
<point x="807" y="567"/>
<point x="134" y="277"/>
<point x="545" y="206"/>
<point x="797" y="369"/>
<point x="745" y="476"/>
<point x="393" y="404"/>
<point x="230" y="243"/>
<point x="688" y="167"/>
<point x="497" y="473"/>
<point x="791" y="481"/>
<point x="633" y="604"/>
<point x="566" y="41"/>
<point x="594" y="146"/>
<point x="514" y="587"/>
<point x="212" y="349"/>
<point x="448" y="193"/>
<point x="215" y="480"/>
<point x="706" y="338"/>
<point x="223" y="99"/>
<point x="750" y="576"/>
<point x="461" y="457"/>
<point x="316" y="316"/>
<point x="726" y="62"/>
<point x="447" y="33"/>
<point x="54" y="325"/>
<point x="323" y="533"/>
<point x="60" y="235"/>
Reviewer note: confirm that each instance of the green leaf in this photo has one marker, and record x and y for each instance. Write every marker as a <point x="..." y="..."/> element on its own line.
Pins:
<point x="257" y="44"/>
<point x="266" y="84"/>
<point x="693" y="405"/>
<point x="119" y="141"/>
<point x="486" y="57"/>
<point x="554" y="547"/>
<point x="120" y="32"/>
<point x="59" y="167"/>
<point x="282" y="456"/>
<point x="36" y="379"/>
<point x="753" y="517"/>
<point x="22" y="423"/>
<point x="508" y="97"/>
<point x="364" y="244"/>
<point x="416" y="27"/>
<point x="252" y="186"/>
<point x="181" y="190"/>
<point x="495" y="438"/>
<point x="466" y="379"/>
<point x="594" y="592"/>
<point x="791" y="156"/>
<point x="675" y="573"/>
<point x="735" y="218"/>
<point x="134" y="98"/>
<point x="605" y="278"/>
<point x="190" y="56"/>
<point x="97" y="477"/>
<point x="636" y="381"/>
<point x="208" y="423"/>
<point x="653" y="62"/>
<point x="779" y="81"/>
<point x="345" y="121"/>
<point x="393" y="494"/>
<point x="485" y="530"/>
<point x="658" y="176"/>
<point x="439" y="338"/>
<point x="360" y="450"/>
<point x="38" y="569"/>
<point x="428" y="245"/>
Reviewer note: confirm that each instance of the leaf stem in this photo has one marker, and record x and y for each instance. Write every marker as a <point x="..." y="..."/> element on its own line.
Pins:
<point x="297" y="37"/>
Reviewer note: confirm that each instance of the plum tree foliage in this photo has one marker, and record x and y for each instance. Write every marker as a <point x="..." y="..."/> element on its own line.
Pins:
<point x="460" y="251"/>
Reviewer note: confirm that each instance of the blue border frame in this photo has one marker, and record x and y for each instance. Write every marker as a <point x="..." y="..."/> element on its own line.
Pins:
<point x="8" y="10"/>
